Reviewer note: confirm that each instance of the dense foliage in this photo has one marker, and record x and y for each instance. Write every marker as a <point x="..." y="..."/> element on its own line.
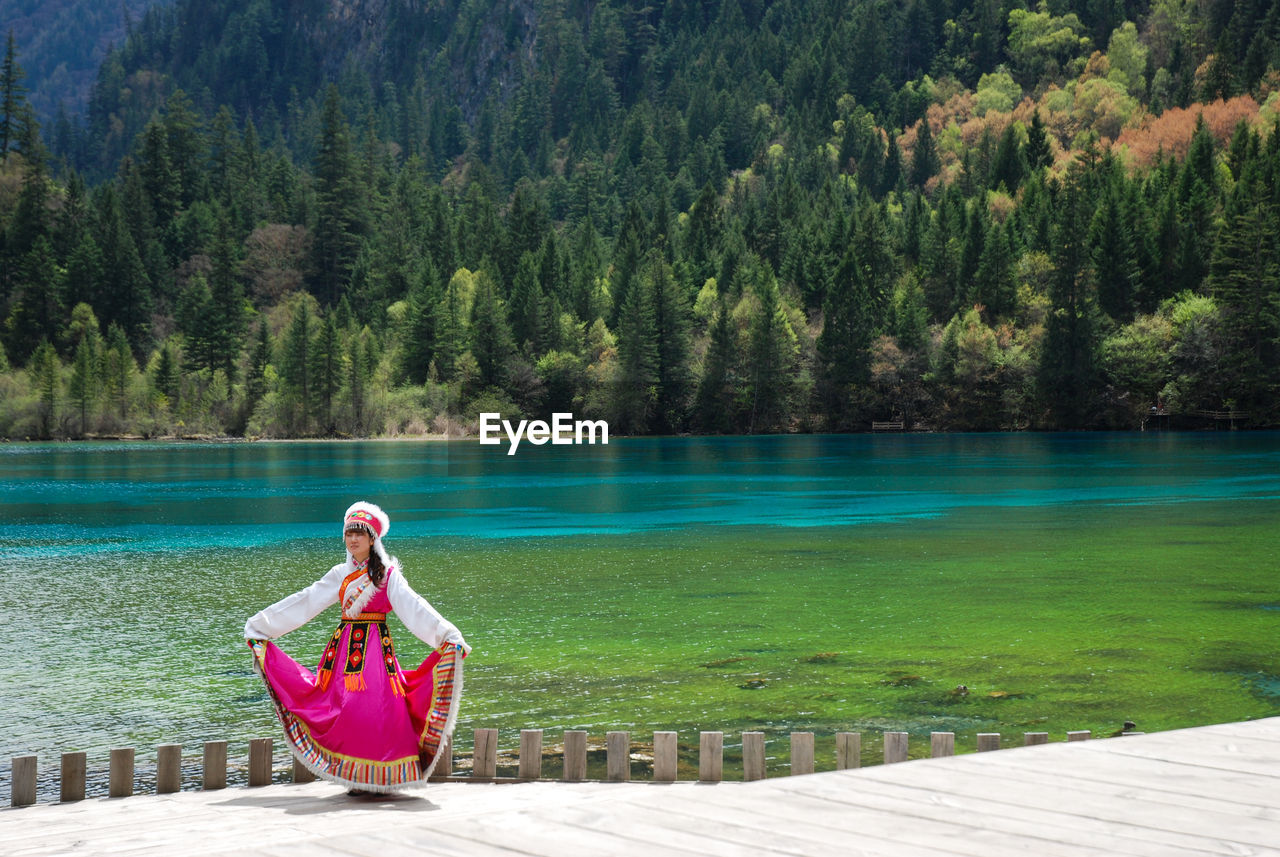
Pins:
<point x="350" y="218"/>
<point x="63" y="42"/>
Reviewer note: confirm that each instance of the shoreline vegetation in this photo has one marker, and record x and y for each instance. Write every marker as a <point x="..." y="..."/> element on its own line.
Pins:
<point x="770" y="219"/>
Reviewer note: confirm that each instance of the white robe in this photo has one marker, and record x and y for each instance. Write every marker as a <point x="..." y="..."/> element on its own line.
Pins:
<point x="296" y="610"/>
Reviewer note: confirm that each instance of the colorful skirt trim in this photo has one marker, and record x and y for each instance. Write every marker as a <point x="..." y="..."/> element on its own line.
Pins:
<point x="383" y="733"/>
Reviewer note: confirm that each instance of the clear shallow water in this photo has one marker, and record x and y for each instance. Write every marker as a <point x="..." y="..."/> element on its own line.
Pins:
<point x="830" y="582"/>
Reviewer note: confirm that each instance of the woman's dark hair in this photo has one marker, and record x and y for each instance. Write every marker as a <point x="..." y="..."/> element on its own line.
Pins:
<point x="376" y="569"/>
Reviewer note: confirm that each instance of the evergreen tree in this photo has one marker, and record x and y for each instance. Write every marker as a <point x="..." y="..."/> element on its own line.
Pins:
<point x="326" y="370"/>
<point x="845" y="343"/>
<point x="44" y="372"/>
<point x="1068" y="369"/>
<point x="297" y="363"/>
<point x="82" y="386"/>
<point x="339" y="216"/>
<point x="1114" y="257"/>
<point x="772" y="354"/>
<point x="924" y="161"/>
<point x="12" y="98"/>
<point x="1245" y="280"/>
<point x="994" y="284"/>
<point x="637" y="386"/>
<point x="715" y="408"/>
<point x="491" y="341"/>
<point x="671" y="332"/>
<point x="421" y="324"/>
<point x="1037" y="150"/>
<point x="118" y="369"/>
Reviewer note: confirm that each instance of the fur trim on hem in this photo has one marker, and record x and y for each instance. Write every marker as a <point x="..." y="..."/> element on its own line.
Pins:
<point x="446" y="734"/>
<point x="321" y="770"/>
<point x="324" y="774"/>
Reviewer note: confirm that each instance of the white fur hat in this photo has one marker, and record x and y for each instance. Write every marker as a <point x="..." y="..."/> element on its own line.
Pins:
<point x="369" y="517"/>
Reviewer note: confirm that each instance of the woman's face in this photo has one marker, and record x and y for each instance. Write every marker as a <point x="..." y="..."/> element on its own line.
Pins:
<point x="359" y="543"/>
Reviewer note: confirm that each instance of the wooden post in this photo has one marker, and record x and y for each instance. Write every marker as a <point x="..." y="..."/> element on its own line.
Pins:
<point x="24" y="781"/>
<point x="665" y="756"/>
<point x="895" y="747"/>
<point x="848" y="750"/>
<point x="120" y="780"/>
<point x="215" y="765"/>
<point x="301" y="773"/>
<point x="753" y="756"/>
<point x="260" y="761"/>
<point x="801" y="753"/>
<point x="711" y="757"/>
<point x="1031" y="738"/>
<point x="1081" y="735"/>
<point x="575" y="756"/>
<point x="942" y="744"/>
<point x="168" y="769"/>
<point x="444" y="767"/>
<point x="484" y="754"/>
<point x="530" y="754"/>
<point x="74" y="766"/>
<point x="618" y="760"/>
<point x="988" y="741"/>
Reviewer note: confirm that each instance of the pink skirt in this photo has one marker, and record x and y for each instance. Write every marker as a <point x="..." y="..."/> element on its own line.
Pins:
<point x="360" y="720"/>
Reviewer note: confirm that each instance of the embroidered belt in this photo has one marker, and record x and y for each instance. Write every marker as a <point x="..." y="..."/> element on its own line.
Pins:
<point x="353" y="672"/>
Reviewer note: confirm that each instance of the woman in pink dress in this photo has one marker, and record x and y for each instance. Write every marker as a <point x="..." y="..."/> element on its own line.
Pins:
<point x="360" y="720"/>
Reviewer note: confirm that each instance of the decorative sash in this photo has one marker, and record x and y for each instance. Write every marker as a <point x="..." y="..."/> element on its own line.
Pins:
<point x="353" y="672"/>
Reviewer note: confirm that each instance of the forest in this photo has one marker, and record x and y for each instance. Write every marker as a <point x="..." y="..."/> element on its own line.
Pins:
<point x="371" y="218"/>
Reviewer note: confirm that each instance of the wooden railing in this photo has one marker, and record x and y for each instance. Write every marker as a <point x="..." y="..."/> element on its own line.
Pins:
<point x="484" y="760"/>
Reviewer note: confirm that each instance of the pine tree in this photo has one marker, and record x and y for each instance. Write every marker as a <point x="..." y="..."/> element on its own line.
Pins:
<point x="1037" y="150"/>
<point x="297" y="360"/>
<point x="637" y="386"/>
<point x="772" y="353"/>
<point x="924" y="161"/>
<point x="1069" y="364"/>
<point x="326" y="370"/>
<point x="671" y="333"/>
<point x="1114" y="257"/>
<point x="118" y="369"/>
<point x="1245" y="280"/>
<point x="81" y="386"/>
<point x="44" y="373"/>
<point x="12" y="98"/>
<point x="491" y="341"/>
<point x="421" y="324"/>
<point x="715" y="408"/>
<point x="994" y="283"/>
<point x="339" y="218"/>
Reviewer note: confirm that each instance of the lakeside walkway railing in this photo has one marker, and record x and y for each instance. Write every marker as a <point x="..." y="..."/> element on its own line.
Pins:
<point x="169" y="775"/>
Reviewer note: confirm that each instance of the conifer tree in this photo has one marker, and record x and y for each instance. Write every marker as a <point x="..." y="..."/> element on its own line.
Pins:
<point x="491" y="341"/>
<point x="637" y="385"/>
<point x="421" y="324"/>
<point x="924" y="161"/>
<point x="339" y="219"/>
<point x="715" y="408"/>
<point x="12" y="98"/>
<point x="1245" y="280"/>
<point x="772" y="355"/>
<point x="44" y="372"/>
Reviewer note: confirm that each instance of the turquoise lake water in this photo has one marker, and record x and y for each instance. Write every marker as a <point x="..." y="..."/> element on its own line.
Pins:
<point x="818" y="582"/>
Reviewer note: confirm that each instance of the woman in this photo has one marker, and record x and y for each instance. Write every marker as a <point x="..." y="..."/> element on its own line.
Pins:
<point x="359" y="720"/>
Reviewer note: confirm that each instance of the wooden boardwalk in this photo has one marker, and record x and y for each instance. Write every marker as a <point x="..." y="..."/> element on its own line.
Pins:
<point x="1214" y="790"/>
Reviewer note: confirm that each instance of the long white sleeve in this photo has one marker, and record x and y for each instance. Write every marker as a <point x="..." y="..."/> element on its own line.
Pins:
<point x="422" y="620"/>
<point x="297" y="609"/>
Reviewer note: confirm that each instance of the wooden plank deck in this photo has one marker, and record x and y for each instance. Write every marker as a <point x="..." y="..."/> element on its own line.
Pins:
<point x="1214" y="790"/>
